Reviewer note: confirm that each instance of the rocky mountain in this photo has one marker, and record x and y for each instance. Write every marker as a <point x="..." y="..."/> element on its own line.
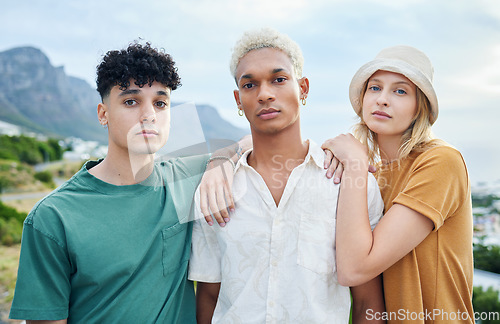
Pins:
<point x="42" y="98"/>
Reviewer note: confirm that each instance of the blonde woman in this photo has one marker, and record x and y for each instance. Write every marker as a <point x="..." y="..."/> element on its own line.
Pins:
<point x="423" y="244"/>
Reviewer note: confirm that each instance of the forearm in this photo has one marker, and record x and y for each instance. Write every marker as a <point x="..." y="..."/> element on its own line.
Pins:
<point x="367" y="302"/>
<point x="206" y="300"/>
<point x="215" y="187"/>
<point x="354" y="238"/>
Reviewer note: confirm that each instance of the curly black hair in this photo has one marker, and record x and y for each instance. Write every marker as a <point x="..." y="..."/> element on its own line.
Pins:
<point x="142" y="63"/>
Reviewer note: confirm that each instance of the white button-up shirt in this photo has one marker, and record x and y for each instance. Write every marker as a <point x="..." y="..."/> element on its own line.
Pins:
<point x="276" y="264"/>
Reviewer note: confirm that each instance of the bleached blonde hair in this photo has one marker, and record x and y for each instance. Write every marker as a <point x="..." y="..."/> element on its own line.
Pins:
<point x="418" y="137"/>
<point x="267" y="37"/>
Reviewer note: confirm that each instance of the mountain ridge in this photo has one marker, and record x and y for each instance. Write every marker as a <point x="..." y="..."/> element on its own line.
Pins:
<point x="42" y="98"/>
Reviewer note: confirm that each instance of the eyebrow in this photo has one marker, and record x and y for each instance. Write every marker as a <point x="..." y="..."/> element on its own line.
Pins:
<point x="162" y="93"/>
<point x="137" y="91"/>
<point x="129" y="92"/>
<point x="249" y="75"/>
<point x="399" y="82"/>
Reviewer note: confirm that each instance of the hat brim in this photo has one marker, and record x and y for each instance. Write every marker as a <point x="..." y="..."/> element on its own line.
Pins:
<point x="396" y="66"/>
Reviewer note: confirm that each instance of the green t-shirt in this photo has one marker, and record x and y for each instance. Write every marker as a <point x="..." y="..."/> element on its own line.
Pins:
<point x="94" y="252"/>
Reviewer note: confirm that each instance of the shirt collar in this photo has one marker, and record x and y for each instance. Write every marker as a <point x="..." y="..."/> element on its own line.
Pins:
<point x="315" y="153"/>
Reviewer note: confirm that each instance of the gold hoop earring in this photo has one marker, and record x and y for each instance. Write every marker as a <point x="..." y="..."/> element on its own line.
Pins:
<point x="240" y="111"/>
<point x="303" y="101"/>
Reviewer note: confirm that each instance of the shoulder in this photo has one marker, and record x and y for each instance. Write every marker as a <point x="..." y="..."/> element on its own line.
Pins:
<point x="185" y="165"/>
<point x="439" y="168"/>
<point x="45" y="217"/>
<point x="48" y="209"/>
<point x="442" y="149"/>
<point x="442" y="157"/>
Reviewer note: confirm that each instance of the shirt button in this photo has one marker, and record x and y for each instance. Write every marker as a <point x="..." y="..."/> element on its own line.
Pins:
<point x="271" y="304"/>
<point x="274" y="263"/>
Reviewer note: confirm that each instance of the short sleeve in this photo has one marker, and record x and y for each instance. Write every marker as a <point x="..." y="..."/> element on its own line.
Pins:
<point x="43" y="279"/>
<point x="437" y="185"/>
<point x="191" y="167"/>
<point x="182" y="177"/>
<point x="205" y="261"/>
<point x="375" y="202"/>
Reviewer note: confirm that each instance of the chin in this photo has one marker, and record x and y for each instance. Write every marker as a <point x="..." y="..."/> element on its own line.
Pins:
<point x="144" y="149"/>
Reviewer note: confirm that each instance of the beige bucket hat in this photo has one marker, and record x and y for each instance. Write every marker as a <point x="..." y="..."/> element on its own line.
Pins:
<point x="406" y="60"/>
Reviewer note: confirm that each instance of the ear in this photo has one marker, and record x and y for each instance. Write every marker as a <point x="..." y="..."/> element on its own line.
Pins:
<point x="102" y="113"/>
<point x="237" y="97"/>
<point x="304" y="87"/>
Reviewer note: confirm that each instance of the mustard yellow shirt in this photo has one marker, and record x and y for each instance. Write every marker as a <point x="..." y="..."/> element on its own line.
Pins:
<point x="432" y="283"/>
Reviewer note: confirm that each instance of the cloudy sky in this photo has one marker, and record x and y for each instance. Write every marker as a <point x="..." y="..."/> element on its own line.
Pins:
<point x="461" y="37"/>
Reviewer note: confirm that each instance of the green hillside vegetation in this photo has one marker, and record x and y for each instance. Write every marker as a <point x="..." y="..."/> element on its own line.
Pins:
<point x="486" y="302"/>
<point x="18" y="154"/>
<point x="29" y="150"/>
<point x="487" y="257"/>
<point x="11" y="224"/>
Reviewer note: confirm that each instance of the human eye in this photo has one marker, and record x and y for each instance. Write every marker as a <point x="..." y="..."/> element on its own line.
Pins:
<point x="129" y="102"/>
<point x="280" y="79"/>
<point x="374" y="88"/>
<point x="401" y="91"/>
<point x="248" y="85"/>
<point x="161" y="104"/>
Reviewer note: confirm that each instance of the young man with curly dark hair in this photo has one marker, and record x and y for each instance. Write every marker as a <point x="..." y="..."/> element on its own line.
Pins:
<point x="111" y="245"/>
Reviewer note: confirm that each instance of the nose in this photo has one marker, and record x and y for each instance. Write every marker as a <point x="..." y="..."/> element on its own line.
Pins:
<point x="382" y="99"/>
<point x="148" y="115"/>
<point x="265" y="93"/>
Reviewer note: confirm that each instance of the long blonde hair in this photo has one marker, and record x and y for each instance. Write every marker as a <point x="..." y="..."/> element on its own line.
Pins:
<point x="418" y="136"/>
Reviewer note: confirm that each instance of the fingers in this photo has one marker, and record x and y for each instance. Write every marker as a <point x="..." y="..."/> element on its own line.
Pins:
<point x="212" y="202"/>
<point x="220" y="211"/>
<point x="221" y="206"/>
<point x="338" y="173"/>
<point x="229" y="199"/>
<point x="328" y="158"/>
<point x="372" y="168"/>
<point x="205" y="210"/>
<point x="331" y="169"/>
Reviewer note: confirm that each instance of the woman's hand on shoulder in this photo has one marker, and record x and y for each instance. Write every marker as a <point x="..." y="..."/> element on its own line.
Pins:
<point x="341" y="151"/>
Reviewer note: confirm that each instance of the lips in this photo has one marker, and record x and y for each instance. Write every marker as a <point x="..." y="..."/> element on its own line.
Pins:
<point x="267" y="111"/>
<point x="381" y="114"/>
<point x="147" y="132"/>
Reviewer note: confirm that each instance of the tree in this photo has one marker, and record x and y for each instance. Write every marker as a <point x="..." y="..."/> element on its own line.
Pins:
<point x="487" y="257"/>
<point x="486" y="302"/>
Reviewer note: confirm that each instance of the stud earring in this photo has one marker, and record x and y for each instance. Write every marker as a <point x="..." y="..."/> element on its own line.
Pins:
<point x="240" y="111"/>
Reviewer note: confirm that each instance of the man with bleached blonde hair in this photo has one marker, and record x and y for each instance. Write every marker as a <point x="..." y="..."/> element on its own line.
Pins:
<point x="274" y="262"/>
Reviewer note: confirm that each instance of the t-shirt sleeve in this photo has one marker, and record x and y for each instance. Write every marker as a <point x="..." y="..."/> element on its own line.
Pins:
<point x="204" y="264"/>
<point x="43" y="280"/>
<point x="437" y="186"/>
<point x="375" y="202"/>
<point x="182" y="177"/>
<point x="192" y="167"/>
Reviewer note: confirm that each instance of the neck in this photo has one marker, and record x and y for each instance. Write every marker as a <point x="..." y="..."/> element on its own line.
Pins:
<point x="389" y="148"/>
<point x="124" y="170"/>
<point x="285" y="148"/>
